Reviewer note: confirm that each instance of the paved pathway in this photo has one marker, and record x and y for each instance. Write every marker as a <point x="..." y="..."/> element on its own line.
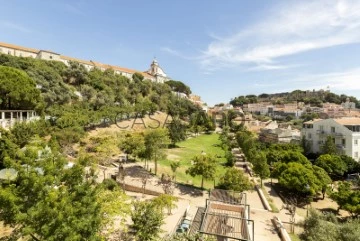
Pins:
<point x="191" y="198"/>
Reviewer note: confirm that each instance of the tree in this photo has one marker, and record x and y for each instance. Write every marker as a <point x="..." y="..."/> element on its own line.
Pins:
<point x="174" y="165"/>
<point x="133" y="144"/>
<point x="323" y="180"/>
<point x="76" y="74"/>
<point x="246" y="142"/>
<point x="177" y="131"/>
<point x="294" y="156"/>
<point x="8" y="148"/>
<point x="167" y="184"/>
<point x="147" y="218"/>
<point x="317" y="227"/>
<point x="349" y="231"/>
<point x="200" y="121"/>
<point x="306" y="145"/>
<point x="18" y="90"/>
<point x="137" y="77"/>
<point x="23" y="132"/>
<point x="325" y="226"/>
<point x="299" y="178"/>
<point x="155" y="142"/>
<point x="114" y="204"/>
<point x="230" y="159"/>
<point x="234" y="179"/>
<point x="329" y="146"/>
<point x="51" y="202"/>
<point x="179" y="86"/>
<point x="332" y="164"/>
<point x="191" y="237"/>
<point x="260" y="166"/>
<point x="166" y="201"/>
<point x="346" y="198"/>
<point x="205" y="166"/>
<point x="352" y="165"/>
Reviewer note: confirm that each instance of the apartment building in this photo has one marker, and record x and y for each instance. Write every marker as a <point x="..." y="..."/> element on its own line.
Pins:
<point x="345" y="131"/>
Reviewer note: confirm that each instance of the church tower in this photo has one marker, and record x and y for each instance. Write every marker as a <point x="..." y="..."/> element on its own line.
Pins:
<point x="156" y="71"/>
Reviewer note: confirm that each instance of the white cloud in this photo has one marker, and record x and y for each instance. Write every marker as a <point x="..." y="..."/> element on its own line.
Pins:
<point x="287" y="30"/>
<point x="177" y="53"/>
<point x="170" y="51"/>
<point x="15" y="26"/>
<point x="74" y="8"/>
<point x="271" y="66"/>
<point x="339" y="81"/>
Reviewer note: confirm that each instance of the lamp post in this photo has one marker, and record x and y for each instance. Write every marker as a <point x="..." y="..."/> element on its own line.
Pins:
<point x="307" y="187"/>
<point x="271" y="169"/>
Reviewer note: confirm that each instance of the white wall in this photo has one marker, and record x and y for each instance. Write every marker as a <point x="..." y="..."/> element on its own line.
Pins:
<point x="48" y="56"/>
<point x="321" y="129"/>
<point x="15" y="52"/>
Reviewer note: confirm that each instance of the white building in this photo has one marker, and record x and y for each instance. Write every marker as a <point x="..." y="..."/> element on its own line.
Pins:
<point x="155" y="73"/>
<point x="8" y="118"/>
<point x="345" y="131"/>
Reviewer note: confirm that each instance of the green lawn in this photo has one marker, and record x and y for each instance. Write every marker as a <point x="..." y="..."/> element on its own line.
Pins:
<point x="186" y="150"/>
<point x="294" y="237"/>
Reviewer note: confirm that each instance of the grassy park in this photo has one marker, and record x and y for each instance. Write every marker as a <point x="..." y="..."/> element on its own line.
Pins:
<point x="186" y="150"/>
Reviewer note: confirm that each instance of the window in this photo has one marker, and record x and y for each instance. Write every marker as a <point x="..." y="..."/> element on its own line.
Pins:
<point x="343" y="142"/>
<point x="356" y="154"/>
<point x="355" y="142"/>
<point x="332" y="129"/>
<point x="321" y="128"/>
<point x="50" y="57"/>
<point x="309" y="135"/>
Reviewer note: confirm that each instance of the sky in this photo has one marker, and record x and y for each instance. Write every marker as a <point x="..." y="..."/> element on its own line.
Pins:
<point x="221" y="49"/>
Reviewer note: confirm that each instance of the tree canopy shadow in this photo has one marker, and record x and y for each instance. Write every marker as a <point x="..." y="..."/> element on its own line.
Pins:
<point x="287" y="196"/>
<point x="329" y="210"/>
<point x="136" y="171"/>
<point x="189" y="190"/>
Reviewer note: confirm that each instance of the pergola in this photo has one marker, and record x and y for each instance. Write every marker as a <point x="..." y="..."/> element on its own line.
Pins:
<point x="226" y="216"/>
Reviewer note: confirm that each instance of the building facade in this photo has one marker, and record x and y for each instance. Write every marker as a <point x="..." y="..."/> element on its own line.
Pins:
<point x="155" y="73"/>
<point x="8" y="118"/>
<point x="344" y="131"/>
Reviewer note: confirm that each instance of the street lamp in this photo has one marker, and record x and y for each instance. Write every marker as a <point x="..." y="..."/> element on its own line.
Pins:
<point x="307" y="187"/>
<point x="271" y="170"/>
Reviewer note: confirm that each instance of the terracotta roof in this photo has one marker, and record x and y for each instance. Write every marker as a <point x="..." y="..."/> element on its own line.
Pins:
<point x="348" y="121"/>
<point x="76" y="60"/>
<point x="12" y="46"/>
<point x="106" y="66"/>
<point x="48" y="51"/>
<point x="92" y="63"/>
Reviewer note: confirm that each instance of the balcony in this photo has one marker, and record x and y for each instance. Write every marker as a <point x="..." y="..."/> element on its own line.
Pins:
<point x="338" y="134"/>
<point x="340" y="146"/>
<point x="321" y="132"/>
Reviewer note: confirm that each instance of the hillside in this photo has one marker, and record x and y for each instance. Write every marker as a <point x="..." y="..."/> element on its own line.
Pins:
<point x="97" y="90"/>
<point x="315" y="98"/>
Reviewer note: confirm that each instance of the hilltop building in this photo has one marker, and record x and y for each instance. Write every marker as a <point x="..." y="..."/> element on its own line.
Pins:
<point x="155" y="73"/>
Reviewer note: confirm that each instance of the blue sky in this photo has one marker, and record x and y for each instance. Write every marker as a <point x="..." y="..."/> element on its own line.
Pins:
<point x="221" y="49"/>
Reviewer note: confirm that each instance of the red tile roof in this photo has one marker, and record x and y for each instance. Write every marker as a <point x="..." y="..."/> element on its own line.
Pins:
<point x="91" y="63"/>
<point x="12" y="46"/>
